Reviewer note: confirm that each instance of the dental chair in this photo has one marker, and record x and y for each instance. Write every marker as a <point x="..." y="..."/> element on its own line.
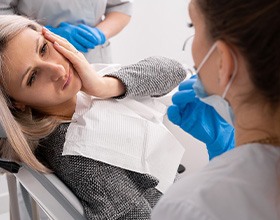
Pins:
<point x="45" y="190"/>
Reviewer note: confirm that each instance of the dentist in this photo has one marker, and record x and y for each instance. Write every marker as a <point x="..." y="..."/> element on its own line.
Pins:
<point x="236" y="55"/>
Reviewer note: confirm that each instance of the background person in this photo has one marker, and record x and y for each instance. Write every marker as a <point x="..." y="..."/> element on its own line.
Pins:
<point x="237" y="60"/>
<point x="88" y="25"/>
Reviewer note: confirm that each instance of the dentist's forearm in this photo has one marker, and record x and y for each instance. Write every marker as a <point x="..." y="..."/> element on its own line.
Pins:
<point x="113" y="24"/>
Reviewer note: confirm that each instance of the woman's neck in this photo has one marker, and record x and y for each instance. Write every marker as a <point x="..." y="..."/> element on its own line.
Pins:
<point x="63" y="111"/>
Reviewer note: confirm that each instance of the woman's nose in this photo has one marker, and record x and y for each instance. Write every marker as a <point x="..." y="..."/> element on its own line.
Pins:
<point x="57" y="71"/>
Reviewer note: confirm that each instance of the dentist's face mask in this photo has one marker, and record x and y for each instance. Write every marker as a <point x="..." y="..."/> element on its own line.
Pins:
<point x="217" y="102"/>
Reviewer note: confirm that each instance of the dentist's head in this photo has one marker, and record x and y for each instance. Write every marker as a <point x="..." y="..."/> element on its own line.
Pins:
<point x="235" y="49"/>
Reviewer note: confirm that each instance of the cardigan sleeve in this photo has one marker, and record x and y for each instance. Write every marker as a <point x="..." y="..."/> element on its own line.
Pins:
<point x="153" y="76"/>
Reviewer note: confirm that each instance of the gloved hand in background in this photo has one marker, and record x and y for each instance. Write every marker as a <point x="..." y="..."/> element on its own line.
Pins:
<point x="81" y="36"/>
<point x="200" y="120"/>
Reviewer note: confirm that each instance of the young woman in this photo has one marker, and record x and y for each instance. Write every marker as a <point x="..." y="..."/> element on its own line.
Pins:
<point x="42" y="77"/>
<point x="236" y="53"/>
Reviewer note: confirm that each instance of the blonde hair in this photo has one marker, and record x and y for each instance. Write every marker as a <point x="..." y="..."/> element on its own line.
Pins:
<point x="15" y="146"/>
<point x="23" y="129"/>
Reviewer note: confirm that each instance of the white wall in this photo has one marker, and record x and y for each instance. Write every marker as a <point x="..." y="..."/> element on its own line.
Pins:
<point x="159" y="27"/>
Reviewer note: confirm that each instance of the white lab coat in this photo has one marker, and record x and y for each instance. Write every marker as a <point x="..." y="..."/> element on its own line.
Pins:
<point x="53" y="12"/>
<point x="243" y="183"/>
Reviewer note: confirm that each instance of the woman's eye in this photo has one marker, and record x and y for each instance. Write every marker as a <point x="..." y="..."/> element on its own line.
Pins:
<point x="44" y="48"/>
<point x="32" y="78"/>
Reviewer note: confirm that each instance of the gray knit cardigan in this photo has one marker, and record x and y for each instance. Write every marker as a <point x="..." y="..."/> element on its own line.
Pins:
<point x="105" y="191"/>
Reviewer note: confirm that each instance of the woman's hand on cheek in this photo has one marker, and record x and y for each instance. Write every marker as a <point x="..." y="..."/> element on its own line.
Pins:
<point x="92" y="83"/>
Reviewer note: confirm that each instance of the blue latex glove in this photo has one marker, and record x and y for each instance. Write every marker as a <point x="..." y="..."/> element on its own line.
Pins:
<point x="81" y="38"/>
<point x="97" y="34"/>
<point x="200" y="120"/>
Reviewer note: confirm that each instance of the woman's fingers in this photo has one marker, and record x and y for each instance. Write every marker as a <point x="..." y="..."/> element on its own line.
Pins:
<point x="72" y="55"/>
<point x="55" y="38"/>
<point x="48" y="32"/>
<point x="63" y="47"/>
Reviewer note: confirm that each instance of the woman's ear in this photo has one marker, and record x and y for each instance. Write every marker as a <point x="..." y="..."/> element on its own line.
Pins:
<point x="19" y="105"/>
<point x="226" y="63"/>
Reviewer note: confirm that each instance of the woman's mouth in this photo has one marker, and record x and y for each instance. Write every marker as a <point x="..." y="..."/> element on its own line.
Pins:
<point x="68" y="80"/>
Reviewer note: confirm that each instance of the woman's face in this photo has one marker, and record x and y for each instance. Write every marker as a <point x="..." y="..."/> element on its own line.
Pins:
<point x="37" y="75"/>
<point x="200" y="47"/>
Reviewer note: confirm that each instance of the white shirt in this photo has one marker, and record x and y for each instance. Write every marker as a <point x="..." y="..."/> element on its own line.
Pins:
<point x="243" y="183"/>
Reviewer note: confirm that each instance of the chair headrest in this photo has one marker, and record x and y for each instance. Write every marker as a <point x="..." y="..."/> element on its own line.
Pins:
<point x="10" y="166"/>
